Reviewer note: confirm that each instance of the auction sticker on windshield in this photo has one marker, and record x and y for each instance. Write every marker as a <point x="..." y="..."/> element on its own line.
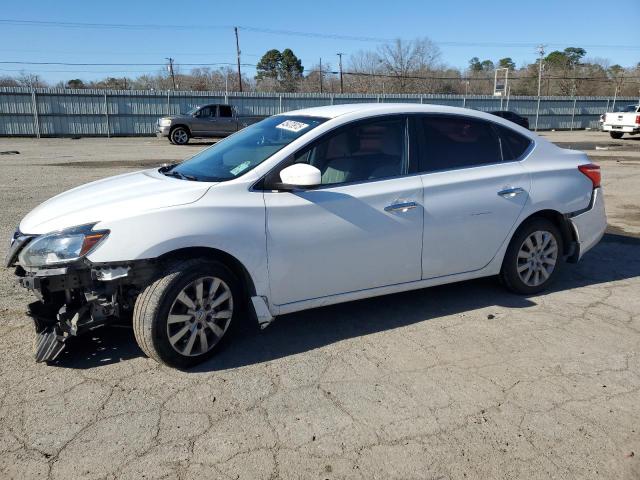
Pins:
<point x="292" y="125"/>
<point x="240" y="168"/>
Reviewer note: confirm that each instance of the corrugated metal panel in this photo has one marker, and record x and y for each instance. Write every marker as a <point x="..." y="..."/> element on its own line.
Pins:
<point x="63" y="112"/>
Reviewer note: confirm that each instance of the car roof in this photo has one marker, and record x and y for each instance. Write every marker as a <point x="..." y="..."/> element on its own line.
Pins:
<point x="334" y="111"/>
<point x="338" y="114"/>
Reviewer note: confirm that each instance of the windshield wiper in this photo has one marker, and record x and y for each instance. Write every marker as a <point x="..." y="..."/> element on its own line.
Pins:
<point x="181" y="176"/>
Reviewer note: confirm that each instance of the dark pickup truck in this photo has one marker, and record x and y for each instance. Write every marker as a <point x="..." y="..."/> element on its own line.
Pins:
<point x="202" y="122"/>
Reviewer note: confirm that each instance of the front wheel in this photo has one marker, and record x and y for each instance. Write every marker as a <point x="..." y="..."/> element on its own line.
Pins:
<point x="179" y="136"/>
<point x="183" y="317"/>
<point x="533" y="257"/>
<point x="616" y="135"/>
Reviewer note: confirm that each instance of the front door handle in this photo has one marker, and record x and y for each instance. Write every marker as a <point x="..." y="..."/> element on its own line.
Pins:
<point x="511" y="192"/>
<point x="400" y="207"/>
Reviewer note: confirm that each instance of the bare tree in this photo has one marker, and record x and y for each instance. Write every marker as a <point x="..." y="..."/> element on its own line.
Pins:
<point x="30" y="80"/>
<point x="363" y="70"/>
<point x="8" y="82"/>
<point x="401" y="58"/>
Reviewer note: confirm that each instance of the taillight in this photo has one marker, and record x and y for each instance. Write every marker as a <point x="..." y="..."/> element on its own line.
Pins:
<point x="592" y="171"/>
<point x="638" y="119"/>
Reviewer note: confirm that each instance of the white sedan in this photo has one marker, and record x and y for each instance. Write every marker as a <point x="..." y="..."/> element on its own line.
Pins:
<point x="305" y="209"/>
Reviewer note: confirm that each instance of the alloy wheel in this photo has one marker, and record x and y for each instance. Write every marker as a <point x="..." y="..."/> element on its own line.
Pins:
<point x="199" y="316"/>
<point x="537" y="258"/>
<point x="180" y="136"/>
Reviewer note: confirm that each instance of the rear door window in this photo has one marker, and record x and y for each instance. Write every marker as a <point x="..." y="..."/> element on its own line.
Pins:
<point x="456" y="141"/>
<point x="225" y="111"/>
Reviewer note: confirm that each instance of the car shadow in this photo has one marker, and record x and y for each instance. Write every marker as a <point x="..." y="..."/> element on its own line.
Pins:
<point x="615" y="258"/>
<point x="201" y="143"/>
<point x="103" y="346"/>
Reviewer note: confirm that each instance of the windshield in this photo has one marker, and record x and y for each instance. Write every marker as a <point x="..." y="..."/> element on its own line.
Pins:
<point x="239" y="153"/>
<point x="192" y="111"/>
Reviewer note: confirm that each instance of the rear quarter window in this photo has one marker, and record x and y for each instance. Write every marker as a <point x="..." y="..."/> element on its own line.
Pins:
<point x="514" y="145"/>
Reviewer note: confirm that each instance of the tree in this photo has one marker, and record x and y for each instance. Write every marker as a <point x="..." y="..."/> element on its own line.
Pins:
<point x="475" y="65"/>
<point x="574" y="54"/>
<point x="75" y="83"/>
<point x="401" y="58"/>
<point x="268" y="65"/>
<point x="31" y="80"/>
<point x="557" y="59"/>
<point x="112" y="83"/>
<point x="569" y="57"/>
<point x="566" y="66"/>
<point x="507" y="62"/>
<point x="487" y="66"/>
<point x="8" y="82"/>
<point x="290" y="70"/>
<point x="366" y="65"/>
<point x="615" y="70"/>
<point x="281" y="70"/>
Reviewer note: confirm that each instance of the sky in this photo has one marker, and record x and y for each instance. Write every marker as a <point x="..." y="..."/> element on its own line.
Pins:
<point x="193" y="31"/>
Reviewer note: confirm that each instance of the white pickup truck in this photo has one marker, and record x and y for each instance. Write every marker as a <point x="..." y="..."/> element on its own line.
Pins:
<point x="627" y="120"/>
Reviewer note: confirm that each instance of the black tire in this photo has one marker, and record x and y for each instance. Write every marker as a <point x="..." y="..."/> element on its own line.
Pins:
<point x="179" y="135"/>
<point x="511" y="263"/>
<point x="616" y="135"/>
<point x="154" y="304"/>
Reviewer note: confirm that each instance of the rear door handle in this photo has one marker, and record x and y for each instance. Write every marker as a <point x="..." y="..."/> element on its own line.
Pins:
<point x="400" y="207"/>
<point x="511" y="192"/>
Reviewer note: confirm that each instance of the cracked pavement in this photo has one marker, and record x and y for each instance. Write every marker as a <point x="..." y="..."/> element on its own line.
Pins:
<point x="458" y="381"/>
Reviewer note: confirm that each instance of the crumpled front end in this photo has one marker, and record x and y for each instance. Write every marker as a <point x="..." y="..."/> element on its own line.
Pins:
<point x="76" y="298"/>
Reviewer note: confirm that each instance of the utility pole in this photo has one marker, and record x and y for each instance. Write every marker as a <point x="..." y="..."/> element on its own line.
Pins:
<point x="541" y="53"/>
<point x="235" y="29"/>
<point x="615" y="93"/>
<point x="320" y="74"/>
<point x="170" y="68"/>
<point x="340" y="61"/>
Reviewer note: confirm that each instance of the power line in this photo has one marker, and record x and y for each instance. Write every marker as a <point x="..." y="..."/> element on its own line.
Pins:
<point x="127" y="53"/>
<point x="432" y="77"/>
<point x="333" y="36"/>
<point x="82" y="64"/>
<point x="79" y="71"/>
<point x="332" y="72"/>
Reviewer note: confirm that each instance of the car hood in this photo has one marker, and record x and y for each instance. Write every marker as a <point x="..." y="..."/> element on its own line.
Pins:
<point x="113" y="197"/>
<point x="173" y="117"/>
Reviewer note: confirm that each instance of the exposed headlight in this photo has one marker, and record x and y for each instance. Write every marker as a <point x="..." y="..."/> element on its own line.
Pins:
<point x="61" y="247"/>
<point x="164" y="122"/>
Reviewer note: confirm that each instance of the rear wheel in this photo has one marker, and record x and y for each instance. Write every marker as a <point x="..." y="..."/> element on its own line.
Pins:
<point x="185" y="316"/>
<point x="179" y="136"/>
<point x="616" y="135"/>
<point x="533" y="257"/>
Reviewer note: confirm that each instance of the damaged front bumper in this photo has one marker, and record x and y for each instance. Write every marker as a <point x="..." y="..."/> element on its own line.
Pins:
<point x="80" y="297"/>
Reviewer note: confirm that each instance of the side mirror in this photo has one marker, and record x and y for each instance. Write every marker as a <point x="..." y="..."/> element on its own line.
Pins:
<point x="300" y="175"/>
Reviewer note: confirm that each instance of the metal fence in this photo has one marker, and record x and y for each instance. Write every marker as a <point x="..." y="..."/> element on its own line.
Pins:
<point x="57" y="112"/>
